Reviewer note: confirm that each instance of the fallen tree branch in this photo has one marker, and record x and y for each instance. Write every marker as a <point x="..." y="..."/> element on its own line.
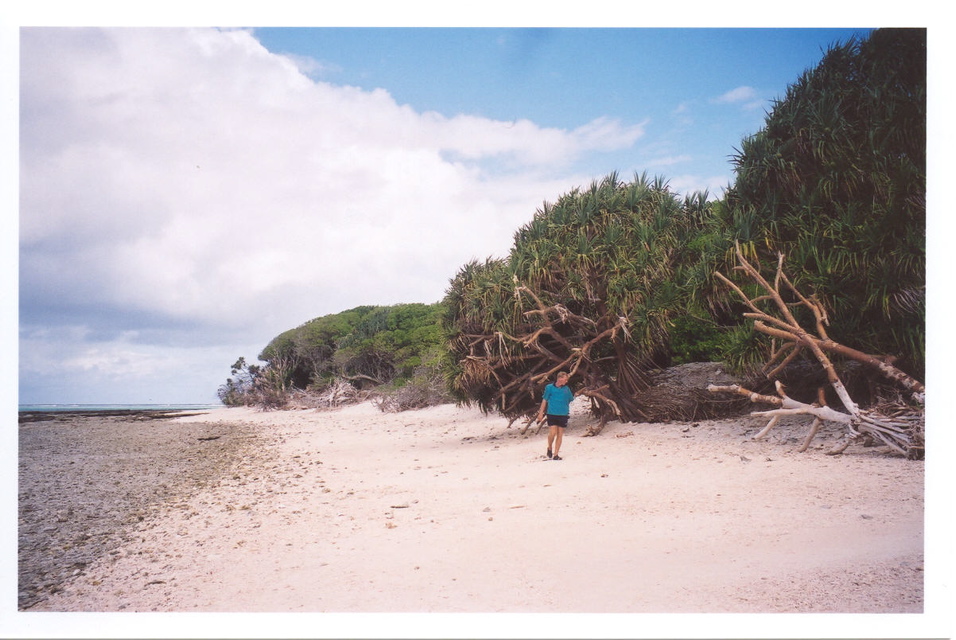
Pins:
<point x="901" y="430"/>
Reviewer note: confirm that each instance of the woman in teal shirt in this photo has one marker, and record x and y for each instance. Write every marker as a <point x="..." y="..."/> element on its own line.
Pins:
<point x="556" y="403"/>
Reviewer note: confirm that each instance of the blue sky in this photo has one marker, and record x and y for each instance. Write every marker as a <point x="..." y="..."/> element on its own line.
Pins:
<point x="699" y="90"/>
<point x="186" y="194"/>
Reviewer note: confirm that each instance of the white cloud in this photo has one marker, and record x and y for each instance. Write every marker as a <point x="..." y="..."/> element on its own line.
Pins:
<point x="204" y="168"/>
<point x="608" y="134"/>
<point x="745" y="96"/>
<point x="123" y="370"/>
<point x="193" y="176"/>
<point x="313" y="68"/>
<point x="740" y="94"/>
<point x="669" y="160"/>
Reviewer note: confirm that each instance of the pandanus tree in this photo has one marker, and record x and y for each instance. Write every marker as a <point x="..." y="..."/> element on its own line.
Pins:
<point x="590" y="287"/>
<point x="595" y="282"/>
<point x="836" y="181"/>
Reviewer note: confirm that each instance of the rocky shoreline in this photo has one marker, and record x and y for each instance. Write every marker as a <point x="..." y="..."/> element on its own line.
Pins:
<point x="87" y="478"/>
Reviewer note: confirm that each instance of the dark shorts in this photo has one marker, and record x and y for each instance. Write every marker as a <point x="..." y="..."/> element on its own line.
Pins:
<point x="557" y="421"/>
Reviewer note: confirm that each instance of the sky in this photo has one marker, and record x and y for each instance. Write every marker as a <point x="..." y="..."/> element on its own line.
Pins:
<point x="186" y="194"/>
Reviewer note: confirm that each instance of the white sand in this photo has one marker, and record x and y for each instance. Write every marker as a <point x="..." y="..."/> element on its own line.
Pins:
<point x="446" y="510"/>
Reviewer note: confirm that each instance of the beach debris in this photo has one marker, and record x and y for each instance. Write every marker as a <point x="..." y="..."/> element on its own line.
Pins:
<point x="899" y="423"/>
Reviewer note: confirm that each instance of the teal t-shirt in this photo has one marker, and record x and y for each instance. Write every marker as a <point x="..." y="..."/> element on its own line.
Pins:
<point x="559" y="399"/>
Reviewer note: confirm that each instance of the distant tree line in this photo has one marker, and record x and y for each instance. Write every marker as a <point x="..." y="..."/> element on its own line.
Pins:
<point x="385" y="347"/>
<point x="615" y="280"/>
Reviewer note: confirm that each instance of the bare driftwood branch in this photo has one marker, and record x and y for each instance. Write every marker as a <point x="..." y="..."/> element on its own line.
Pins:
<point x="900" y="427"/>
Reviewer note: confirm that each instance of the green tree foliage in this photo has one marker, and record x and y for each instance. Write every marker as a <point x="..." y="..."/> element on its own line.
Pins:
<point x="836" y="181"/>
<point x="392" y="342"/>
<point x="592" y="285"/>
<point x="252" y="384"/>
<point x="311" y="347"/>
<point x="241" y="383"/>
<point x="368" y="344"/>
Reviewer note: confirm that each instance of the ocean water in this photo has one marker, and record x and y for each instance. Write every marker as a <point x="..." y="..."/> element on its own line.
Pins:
<point x="117" y="407"/>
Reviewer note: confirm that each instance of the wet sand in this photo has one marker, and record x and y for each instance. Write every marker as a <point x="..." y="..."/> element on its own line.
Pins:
<point x="86" y="479"/>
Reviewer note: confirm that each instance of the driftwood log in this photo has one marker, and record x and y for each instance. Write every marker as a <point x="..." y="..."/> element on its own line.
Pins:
<point x="898" y="425"/>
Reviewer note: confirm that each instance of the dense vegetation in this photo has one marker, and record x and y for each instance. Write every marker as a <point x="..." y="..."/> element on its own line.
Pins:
<point x="614" y="280"/>
<point x="366" y="346"/>
<point x="836" y="180"/>
<point x="593" y="285"/>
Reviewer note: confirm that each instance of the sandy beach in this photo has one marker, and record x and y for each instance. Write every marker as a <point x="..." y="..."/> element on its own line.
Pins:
<point x="446" y="510"/>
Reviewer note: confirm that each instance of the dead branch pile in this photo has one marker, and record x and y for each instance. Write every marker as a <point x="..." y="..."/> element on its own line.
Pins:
<point x="339" y="393"/>
<point x="898" y="424"/>
<point x="679" y="393"/>
<point x="417" y="394"/>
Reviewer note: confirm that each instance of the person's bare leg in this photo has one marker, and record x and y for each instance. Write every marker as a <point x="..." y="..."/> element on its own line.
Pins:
<point x="559" y="436"/>
<point x="552" y="433"/>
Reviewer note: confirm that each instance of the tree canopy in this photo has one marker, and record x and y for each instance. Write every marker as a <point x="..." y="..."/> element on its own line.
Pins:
<point x="374" y="344"/>
<point x="836" y="181"/>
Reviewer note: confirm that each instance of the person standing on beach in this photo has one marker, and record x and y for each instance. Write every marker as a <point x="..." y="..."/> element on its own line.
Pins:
<point x="556" y="404"/>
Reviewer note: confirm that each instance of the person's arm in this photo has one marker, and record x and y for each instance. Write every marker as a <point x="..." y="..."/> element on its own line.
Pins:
<point x="544" y="405"/>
